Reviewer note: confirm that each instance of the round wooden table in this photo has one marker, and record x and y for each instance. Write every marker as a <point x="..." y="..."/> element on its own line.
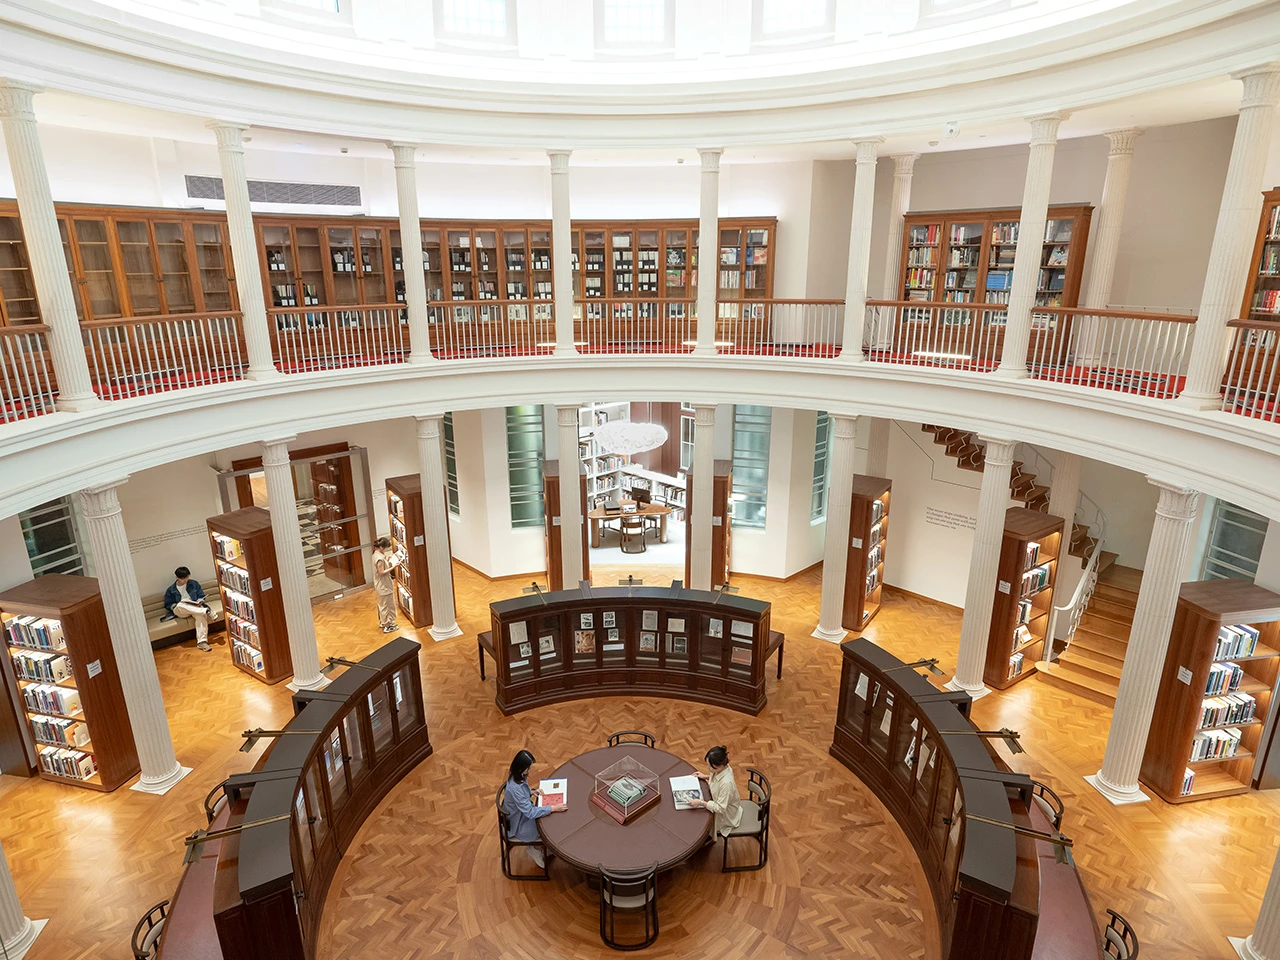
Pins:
<point x="586" y="837"/>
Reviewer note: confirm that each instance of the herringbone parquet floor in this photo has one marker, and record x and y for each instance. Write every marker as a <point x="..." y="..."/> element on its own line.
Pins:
<point x="422" y="879"/>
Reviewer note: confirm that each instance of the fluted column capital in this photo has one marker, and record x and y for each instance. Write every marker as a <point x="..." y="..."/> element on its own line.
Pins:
<point x="1122" y="141"/>
<point x="867" y="147"/>
<point x="101" y="500"/>
<point x="16" y="99"/>
<point x="999" y="452"/>
<point x="567" y="414"/>
<point x="1177" y="502"/>
<point x="844" y="428"/>
<point x="710" y="157"/>
<point x="1044" y="127"/>
<point x="229" y="134"/>
<point x="403" y="154"/>
<point x="704" y="414"/>
<point x="276" y="452"/>
<point x="1261" y="85"/>
<point x="559" y="160"/>
<point x="904" y="164"/>
<point x="430" y="426"/>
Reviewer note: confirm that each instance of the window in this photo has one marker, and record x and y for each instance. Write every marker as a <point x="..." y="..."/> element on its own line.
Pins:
<point x="750" y="464"/>
<point x="687" y="425"/>
<point x="524" y="465"/>
<point x="53" y="542"/>
<point x="451" y="464"/>
<point x="634" y="23"/>
<point x="491" y="21"/>
<point x="821" y="467"/>
<point x="1235" y="543"/>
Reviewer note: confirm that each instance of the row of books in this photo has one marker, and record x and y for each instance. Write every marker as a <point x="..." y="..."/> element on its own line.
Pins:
<point x="47" y="698"/>
<point x="877" y="529"/>
<point x="228" y="548"/>
<point x="59" y="731"/>
<point x="874" y="556"/>
<point x="1052" y="279"/>
<point x="406" y="599"/>
<point x="41" y="666"/>
<point x="924" y="233"/>
<point x="997" y="297"/>
<point x="1022" y="635"/>
<point x="920" y="256"/>
<point x="286" y="295"/>
<point x="1015" y="665"/>
<point x="238" y="604"/>
<point x="1223" y="678"/>
<point x="247" y="656"/>
<point x="1033" y="581"/>
<point x="397" y="527"/>
<point x="963" y="257"/>
<point x="1235" y="640"/>
<point x="1215" y="744"/>
<point x="1024" y="610"/>
<point x="243" y="630"/>
<point x="1232" y="708"/>
<point x="65" y="762"/>
<point x="999" y="280"/>
<point x="233" y="577"/>
<point x="967" y="279"/>
<point x="1266" y="301"/>
<point x="36" y="633"/>
<point x="877" y="510"/>
<point x="1270" y="262"/>
<point x="1032" y="556"/>
<point x="919" y="278"/>
<point x="1273" y="225"/>
<point x="1188" y="781"/>
<point x="1004" y="232"/>
<point x="958" y="296"/>
<point x="873" y="579"/>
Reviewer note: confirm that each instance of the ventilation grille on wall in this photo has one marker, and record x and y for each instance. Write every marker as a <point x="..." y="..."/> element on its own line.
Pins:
<point x="278" y="191"/>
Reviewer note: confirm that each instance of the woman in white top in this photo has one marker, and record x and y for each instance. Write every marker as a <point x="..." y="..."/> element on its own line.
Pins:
<point x="725" y="801"/>
<point x="384" y="561"/>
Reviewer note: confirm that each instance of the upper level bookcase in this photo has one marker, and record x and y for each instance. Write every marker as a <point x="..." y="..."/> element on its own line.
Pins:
<point x="966" y="256"/>
<point x="1262" y="300"/>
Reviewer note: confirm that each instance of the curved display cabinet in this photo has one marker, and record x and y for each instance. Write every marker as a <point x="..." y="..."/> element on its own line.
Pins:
<point x="647" y="641"/>
<point x="258" y="895"/>
<point x="915" y="747"/>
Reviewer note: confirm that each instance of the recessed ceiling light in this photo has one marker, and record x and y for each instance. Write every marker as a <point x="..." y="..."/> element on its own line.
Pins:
<point x="933" y="143"/>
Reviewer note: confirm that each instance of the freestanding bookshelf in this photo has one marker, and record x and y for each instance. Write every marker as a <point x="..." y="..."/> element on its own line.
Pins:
<point x="868" y="536"/>
<point x="60" y="661"/>
<point x="335" y="500"/>
<point x="722" y="487"/>
<point x="1024" y="595"/>
<point x="244" y="556"/>
<point x="1212" y="731"/>
<point x="408" y="536"/>
<point x="551" y="503"/>
<point x="1262" y="299"/>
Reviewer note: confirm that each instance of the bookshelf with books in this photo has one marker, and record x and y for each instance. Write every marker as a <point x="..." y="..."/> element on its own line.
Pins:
<point x="334" y="494"/>
<point x="244" y="558"/>
<point x="664" y="490"/>
<point x="61" y="669"/>
<point x="1262" y="297"/>
<point x="1212" y="730"/>
<point x="603" y="465"/>
<point x="868" y="538"/>
<point x="721" y="489"/>
<point x="1027" y="573"/>
<point x="408" y="538"/>
<point x="551" y="505"/>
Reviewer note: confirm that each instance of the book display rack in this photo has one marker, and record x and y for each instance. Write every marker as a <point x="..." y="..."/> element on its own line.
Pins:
<point x="642" y="641"/>
<point x="244" y="558"/>
<point x="722" y="487"/>
<point x="868" y="537"/>
<point x="339" y="530"/>
<point x="551" y="505"/>
<point x="61" y="669"/>
<point x="1262" y="299"/>
<point x="1212" y="729"/>
<point x="1024" y="595"/>
<point x="408" y="537"/>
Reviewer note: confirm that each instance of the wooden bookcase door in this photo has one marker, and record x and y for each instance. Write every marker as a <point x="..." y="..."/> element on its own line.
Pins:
<point x="1262" y="297"/>
<point x="17" y="290"/>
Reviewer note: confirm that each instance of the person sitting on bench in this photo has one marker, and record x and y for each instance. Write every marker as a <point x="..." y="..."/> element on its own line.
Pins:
<point x="185" y="598"/>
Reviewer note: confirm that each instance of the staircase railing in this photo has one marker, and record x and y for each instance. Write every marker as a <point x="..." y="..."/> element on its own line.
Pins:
<point x="1074" y="609"/>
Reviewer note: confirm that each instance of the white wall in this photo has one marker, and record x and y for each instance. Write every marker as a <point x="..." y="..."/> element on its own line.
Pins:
<point x="831" y="209"/>
<point x="1269" y="563"/>
<point x="15" y="568"/>
<point x="1129" y="502"/>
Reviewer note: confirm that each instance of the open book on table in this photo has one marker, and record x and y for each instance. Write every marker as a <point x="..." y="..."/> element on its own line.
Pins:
<point x="684" y="789"/>
<point x="551" y="792"/>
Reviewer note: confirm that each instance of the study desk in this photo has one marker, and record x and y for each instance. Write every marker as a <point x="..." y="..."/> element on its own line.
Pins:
<point x="598" y="515"/>
<point x="587" y="837"/>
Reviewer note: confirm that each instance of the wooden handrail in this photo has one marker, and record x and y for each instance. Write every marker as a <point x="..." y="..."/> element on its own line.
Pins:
<point x="1070" y="311"/>
<point x="1244" y="324"/>
<point x="322" y="308"/>
<point x="947" y="304"/>
<point x="641" y="298"/>
<point x="20" y="328"/>
<point x="160" y="318"/>
<point x="820" y="303"/>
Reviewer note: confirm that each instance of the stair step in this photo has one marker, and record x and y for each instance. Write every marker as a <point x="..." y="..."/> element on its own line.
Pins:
<point x="1119" y="594"/>
<point x="1082" y="548"/>
<point x="1123" y="578"/>
<point x="1106" y="561"/>
<point x="1066" y="677"/>
<point x="1086" y="661"/>
<point x="1104" y="626"/>
<point x="1099" y="645"/>
<point x="1034" y="492"/>
<point x="1120" y="611"/>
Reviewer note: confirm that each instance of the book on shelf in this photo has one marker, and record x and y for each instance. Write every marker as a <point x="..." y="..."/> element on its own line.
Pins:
<point x="405" y="598"/>
<point x="1235" y="640"/>
<point x="874" y="556"/>
<point x="1229" y="709"/>
<point x="920" y="257"/>
<point x="877" y="511"/>
<point x="59" y="731"/>
<point x="966" y="233"/>
<point x="873" y="579"/>
<point x="238" y="604"/>
<point x="37" y="633"/>
<point x="1273" y="225"/>
<point x="248" y="656"/>
<point x="1015" y="664"/>
<point x="552" y="792"/>
<point x="41" y="666"/>
<point x="1032" y="555"/>
<point x="1057" y="256"/>
<point x="228" y="548"/>
<point x="229" y="575"/>
<point x="924" y="233"/>
<point x="1188" y="781"/>
<point x="1266" y="301"/>
<point x="684" y="789"/>
<point x="1223" y="678"/>
<point x="243" y="630"/>
<point x="1024" y="611"/>
<point x="1002" y="233"/>
<point x="1057" y="231"/>
<point x="1215" y="744"/>
<point x="1034" y="580"/>
<point x="1022" y="635"/>
<point x="49" y="698"/>
<point x="998" y="297"/>
<point x="65" y="762"/>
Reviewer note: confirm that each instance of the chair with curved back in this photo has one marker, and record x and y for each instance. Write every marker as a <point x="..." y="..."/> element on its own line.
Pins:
<point x="508" y="844"/>
<point x="755" y="821"/>
<point x="146" y="935"/>
<point x="632" y="533"/>
<point x="632" y="736"/>
<point x="214" y="801"/>
<point x="1119" y="942"/>
<point x="629" y="891"/>
<point x="1048" y="802"/>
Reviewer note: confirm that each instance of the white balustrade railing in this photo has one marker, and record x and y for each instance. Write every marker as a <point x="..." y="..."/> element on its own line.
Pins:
<point x="635" y="325"/>
<point x="335" y="338"/>
<point x="135" y="356"/>
<point x="1065" y="618"/>
<point x="1140" y="353"/>
<point x="27" y="386"/>
<point x="960" y="336"/>
<point x="780" y="328"/>
<point x="471" y="329"/>
<point x="1251" y="386"/>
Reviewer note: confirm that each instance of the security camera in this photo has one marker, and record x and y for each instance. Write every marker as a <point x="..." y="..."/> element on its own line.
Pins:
<point x="953" y="128"/>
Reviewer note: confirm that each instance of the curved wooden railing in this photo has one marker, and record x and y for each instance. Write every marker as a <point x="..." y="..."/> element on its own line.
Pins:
<point x="625" y="325"/>
<point x="135" y="356"/>
<point x="780" y="328"/>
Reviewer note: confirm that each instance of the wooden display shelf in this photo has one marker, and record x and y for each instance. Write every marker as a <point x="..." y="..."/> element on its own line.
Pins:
<point x="76" y="604"/>
<point x="861" y="597"/>
<point x="1022" y="527"/>
<point x="1204" y="608"/>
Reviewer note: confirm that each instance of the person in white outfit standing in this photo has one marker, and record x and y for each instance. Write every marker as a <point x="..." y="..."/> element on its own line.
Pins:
<point x="384" y="562"/>
<point x="185" y="598"/>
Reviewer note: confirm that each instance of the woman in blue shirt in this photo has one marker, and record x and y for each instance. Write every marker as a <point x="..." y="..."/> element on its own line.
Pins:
<point x="519" y="803"/>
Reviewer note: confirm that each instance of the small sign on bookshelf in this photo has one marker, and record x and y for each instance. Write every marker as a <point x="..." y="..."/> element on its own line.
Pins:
<point x="857" y="542"/>
<point x="555" y="521"/>
<point x="419" y="540"/>
<point x="1184" y="675"/>
<point x="1003" y="586"/>
<point x="265" y="583"/>
<point x="94" y="668"/>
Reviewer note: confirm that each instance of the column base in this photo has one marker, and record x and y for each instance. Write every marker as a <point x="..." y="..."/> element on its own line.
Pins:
<point x="975" y="693"/>
<point x="1244" y="948"/>
<point x="563" y="351"/>
<point x="78" y="404"/>
<point x="161" y="787"/>
<point x="1012" y="373"/>
<point x="1116" y="795"/>
<point x="445" y="633"/>
<point x="418" y="359"/>
<point x="268" y="373"/>
<point x="17" y="949"/>
<point x="318" y="683"/>
<point x="701" y="351"/>
<point x="1188" y="401"/>
<point x="831" y="636"/>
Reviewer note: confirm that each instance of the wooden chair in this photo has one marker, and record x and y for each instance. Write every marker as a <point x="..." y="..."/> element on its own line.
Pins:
<point x="754" y="823"/>
<point x="1048" y="802"/>
<point x="508" y="844"/>
<point x="146" y="935"/>
<point x="214" y="801"/>
<point x="632" y="736"/>
<point x="629" y="891"/>
<point x="633" y="532"/>
<point x="1119" y="942"/>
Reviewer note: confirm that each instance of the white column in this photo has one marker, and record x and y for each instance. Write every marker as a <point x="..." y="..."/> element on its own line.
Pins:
<point x="708" y="258"/>
<point x="1233" y="237"/>
<point x="130" y="641"/>
<point x="704" y="465"/>
<point x="984" y="566"/>
<point x="855" y="295"/>
<point x="1026" y="258"/>
<point x="286" y="534"/>
<point x="435" y="527"/>
<point x="44" y="247"/>
<point x="1148" y="643"/>
<point x="244" y="249"/>
<point x="904" y="165"/>
<point x="571" y="518"/>
<point x="17" y="931"/>
<point x="562" y="257"/>
<point x="1264" y="942"/>
<point x="1064" y="490"/>
<point x="878" y="446"/>
<point x="835" y="550"/>
<point x="415" y="284"/>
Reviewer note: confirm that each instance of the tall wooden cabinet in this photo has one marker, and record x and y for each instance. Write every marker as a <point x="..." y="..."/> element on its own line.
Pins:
<point x="722" y="487"/>
<point x="1262" y="299"/>
<point x="60" y="664"/>
<point x="336" y="511"/>
<point x="408" y="536"/>
<point x="1028" y="571"/>
<point x="1212" y="732"/>
<point x="868" y="538"/>
<point x="551" y="504"/>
